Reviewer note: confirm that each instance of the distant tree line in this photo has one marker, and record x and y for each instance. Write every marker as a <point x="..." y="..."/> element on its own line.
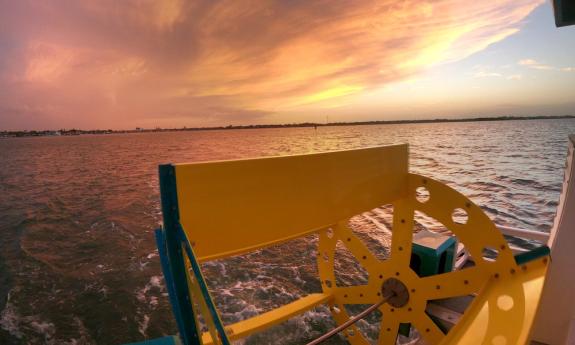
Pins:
<point x="60" y="132"/>
<point x="73" y="131"/>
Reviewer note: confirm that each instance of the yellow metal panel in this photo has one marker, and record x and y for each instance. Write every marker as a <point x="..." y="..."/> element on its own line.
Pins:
<point x="236" y="206"/>
<point x="257" y="323"/>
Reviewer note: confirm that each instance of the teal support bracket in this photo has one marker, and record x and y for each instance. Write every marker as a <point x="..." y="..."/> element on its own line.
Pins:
<point x="531" y="255"/>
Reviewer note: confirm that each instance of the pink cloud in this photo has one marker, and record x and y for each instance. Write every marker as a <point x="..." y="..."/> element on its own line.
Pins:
<point x="173" y="63"/>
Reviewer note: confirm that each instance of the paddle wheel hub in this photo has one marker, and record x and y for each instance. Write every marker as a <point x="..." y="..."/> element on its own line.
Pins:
<point x="397" y="292"/>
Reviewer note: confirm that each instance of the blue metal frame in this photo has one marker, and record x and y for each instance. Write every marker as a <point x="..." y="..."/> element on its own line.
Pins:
<point x="169" y="340"/>
<point x="170" y="241"/>
<point x="173" y="260"/>
<point x="164" y="261"/>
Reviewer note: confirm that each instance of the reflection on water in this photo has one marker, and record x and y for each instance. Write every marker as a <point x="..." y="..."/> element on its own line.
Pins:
<point x="78" y="263"/>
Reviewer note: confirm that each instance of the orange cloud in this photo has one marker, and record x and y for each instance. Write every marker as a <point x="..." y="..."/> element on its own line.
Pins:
<point x="172" y="63"/>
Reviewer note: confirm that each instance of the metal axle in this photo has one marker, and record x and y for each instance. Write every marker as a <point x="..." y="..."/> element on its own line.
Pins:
<point x="393" y="291"/>
<point x="348" y="323"/>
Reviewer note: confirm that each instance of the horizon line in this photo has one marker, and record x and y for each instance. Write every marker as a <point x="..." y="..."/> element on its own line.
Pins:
<point x="288" y="125"/>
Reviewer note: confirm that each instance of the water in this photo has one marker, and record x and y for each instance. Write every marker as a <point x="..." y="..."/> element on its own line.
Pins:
<point x="78" y="263"/>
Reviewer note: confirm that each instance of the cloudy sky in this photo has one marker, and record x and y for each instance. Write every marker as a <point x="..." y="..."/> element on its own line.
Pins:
<point x="173" y="63"/>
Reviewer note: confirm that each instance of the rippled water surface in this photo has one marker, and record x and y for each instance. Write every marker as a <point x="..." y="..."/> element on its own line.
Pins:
<point x="78" y="263"/>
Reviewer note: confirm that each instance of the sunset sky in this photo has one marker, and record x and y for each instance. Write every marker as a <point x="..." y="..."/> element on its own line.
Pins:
<point x="173" y="63"/>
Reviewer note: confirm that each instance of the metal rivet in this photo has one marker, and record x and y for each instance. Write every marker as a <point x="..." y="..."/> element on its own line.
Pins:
<point x="468" y="204"/>
<point x="389" y="329"/>
<point x="502" y="247"/>
<point x="381" y="276"/>
<point x="345" y="296"/>
<point x="379" y="293"/>
<point x="466" y="282"/>
<point x="424" y="181"/>
<point x="360" y="295"/>
<point x="396" y="273"/>
<point x="348" y="239"/>
<point x="438" y="287"/>
<point x="392" y="310"/>
<point x="364" y="257"/>
<point x="412" y="290"/>
<point x="512" y="271"/>
<point x="524" y="268"/>
<point x="403" y="220"/>
<point x="496" y="275"/>
<point x="400" y="248"/>
<point x="427" y="330"/>
<point x="409" y="309"/>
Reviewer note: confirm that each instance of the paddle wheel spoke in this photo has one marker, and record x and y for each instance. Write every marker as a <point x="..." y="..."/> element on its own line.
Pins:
<point x="402" y="233"/>
<point x="428" y="329"/>
<point x="388" y="330"/>
<point x="359" y="294"/>
<point x="453" y="284"/>
<point x="358" y="249"/>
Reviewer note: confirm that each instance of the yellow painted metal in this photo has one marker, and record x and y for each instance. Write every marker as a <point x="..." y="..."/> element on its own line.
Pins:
<point x="228" y="208"/>
<point x="258" y="323"/>
<point x="200" y="306"/>
<point x="504" y="309"/>
<point x="233" y="207"/>
<point x="478" y="233"/>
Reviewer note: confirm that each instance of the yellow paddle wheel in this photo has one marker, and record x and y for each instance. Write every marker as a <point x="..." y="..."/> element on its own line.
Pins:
<point x="215" y="210"/>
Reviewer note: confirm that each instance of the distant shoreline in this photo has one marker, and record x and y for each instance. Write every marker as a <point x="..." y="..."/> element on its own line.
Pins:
<point x="71" y="132"/>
